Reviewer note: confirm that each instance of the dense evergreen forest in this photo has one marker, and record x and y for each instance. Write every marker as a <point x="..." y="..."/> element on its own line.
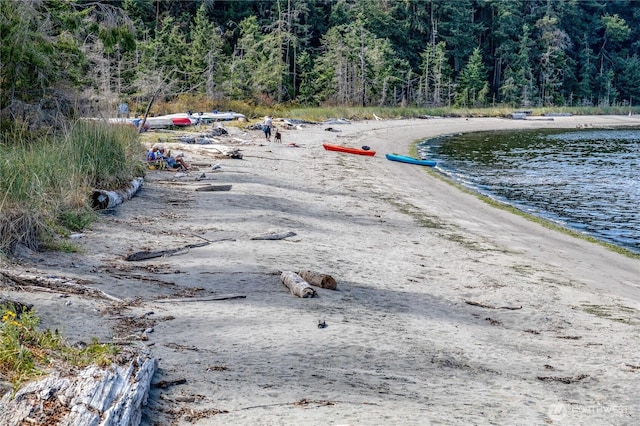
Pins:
<point x="424" y="53"/>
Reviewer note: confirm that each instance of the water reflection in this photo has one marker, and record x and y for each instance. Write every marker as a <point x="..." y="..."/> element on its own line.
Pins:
<point x="588" y="180"/>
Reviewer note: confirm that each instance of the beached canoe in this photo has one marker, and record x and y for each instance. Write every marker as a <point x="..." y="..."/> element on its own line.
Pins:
<point x="346" y="149"/>
<point x="410" y="160"/>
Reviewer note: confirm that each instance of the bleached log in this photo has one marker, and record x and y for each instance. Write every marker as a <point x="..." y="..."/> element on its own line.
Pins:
<point x="319" y="280"/>
<point x="103" y="199"/>
<point x="296" y="284"/>
<point x="274" y="235"/>
<point x="112" y="396"/>
<point x="59" y="284"/>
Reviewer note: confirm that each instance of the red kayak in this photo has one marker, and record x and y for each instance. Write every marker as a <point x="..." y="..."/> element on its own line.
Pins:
<point x="339" y="148"/>
<point x="181" y="122"/>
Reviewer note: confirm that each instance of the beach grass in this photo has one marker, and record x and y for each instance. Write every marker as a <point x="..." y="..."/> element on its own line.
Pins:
<point x="26" y="352"/>
<point x="46" y="179"/>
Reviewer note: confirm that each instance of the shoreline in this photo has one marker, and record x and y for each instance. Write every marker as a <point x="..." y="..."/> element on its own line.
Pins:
<point x="447" y="311"/>
<point x="511" y="206"/>
<point x="506" y="206"/>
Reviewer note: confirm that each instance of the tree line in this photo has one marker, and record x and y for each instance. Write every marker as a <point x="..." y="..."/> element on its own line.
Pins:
<point x="424" y="53"/>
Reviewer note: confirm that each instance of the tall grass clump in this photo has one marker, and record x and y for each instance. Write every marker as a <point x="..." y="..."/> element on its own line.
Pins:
<point x="104" y="156"/>
<point x="46" y="180"/>
<point x="26" y="352"/>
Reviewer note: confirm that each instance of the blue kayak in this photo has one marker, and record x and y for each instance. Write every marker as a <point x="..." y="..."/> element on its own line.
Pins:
<point x="410" y="160"/>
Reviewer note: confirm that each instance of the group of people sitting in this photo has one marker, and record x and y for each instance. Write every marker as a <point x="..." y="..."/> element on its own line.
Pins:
<point x="158" y="154"/>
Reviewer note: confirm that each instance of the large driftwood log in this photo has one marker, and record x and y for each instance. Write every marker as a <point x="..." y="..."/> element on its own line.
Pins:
<point x="318" y="279"/>
<point x="111" y="396"/>
<point x="296" y="284"/>
<point x="103" y="199"/>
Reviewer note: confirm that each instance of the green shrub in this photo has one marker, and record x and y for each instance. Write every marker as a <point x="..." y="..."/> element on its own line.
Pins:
<point x="26" y="352"/>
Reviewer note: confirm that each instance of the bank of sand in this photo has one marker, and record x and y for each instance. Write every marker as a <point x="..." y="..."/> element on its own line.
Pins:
<point x="448" y="311"/>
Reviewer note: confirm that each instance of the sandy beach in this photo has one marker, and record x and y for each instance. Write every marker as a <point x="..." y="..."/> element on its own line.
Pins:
<point x="447" y="311"/>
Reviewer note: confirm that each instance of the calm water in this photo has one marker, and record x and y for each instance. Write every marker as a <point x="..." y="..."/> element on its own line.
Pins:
<point x="587" y="180"/>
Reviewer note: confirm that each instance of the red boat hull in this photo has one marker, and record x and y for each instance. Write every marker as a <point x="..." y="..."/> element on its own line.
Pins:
<point x="181" y="121"/>
<point x="346" y="149"/>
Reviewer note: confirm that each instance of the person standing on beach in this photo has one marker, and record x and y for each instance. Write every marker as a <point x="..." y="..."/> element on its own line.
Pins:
<point x="266" y="127"/>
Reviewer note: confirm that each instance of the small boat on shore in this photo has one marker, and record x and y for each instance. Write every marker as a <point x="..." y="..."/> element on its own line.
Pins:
<point x="348" y="150"/>
<point x="181" y="121"/>
<point x="208" y="117"/>
<point x="161" y="122"/>
<point x="410" y="160"/>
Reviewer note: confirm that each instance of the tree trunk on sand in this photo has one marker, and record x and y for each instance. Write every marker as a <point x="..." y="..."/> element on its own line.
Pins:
<point x="103" y="199"/>
<point x="111" y="396"/>
<point x="318" y="280"/>
<point x="296" y="284"/>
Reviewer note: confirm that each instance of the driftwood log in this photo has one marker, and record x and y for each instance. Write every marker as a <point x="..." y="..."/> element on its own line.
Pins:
<point x="144" y="255"/>
<point x="57" y="284"/>
<point x="274" y="235"/>
<point x="318" y="279"/>
<point x="103" y="199"/>
<point x="296" y="284"/>
<point x="214" y="188"/>
<point x="482" y="305"/>
<point x="111" y="396"/>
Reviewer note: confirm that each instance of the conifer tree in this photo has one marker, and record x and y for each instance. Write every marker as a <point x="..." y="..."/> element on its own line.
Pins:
<point x="206" y="64"/>
<point x="473" y="87"/>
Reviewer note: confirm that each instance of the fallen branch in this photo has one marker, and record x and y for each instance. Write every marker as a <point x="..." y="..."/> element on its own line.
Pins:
<point x="202" y="299"/>
<point x="482" y="305"/>
<point x="144" y="255"/>
<point x="59" y="284"/>
<point x="140" y="277"/>
<point x="305" y="401"/>
<point x="565" y="380"/>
